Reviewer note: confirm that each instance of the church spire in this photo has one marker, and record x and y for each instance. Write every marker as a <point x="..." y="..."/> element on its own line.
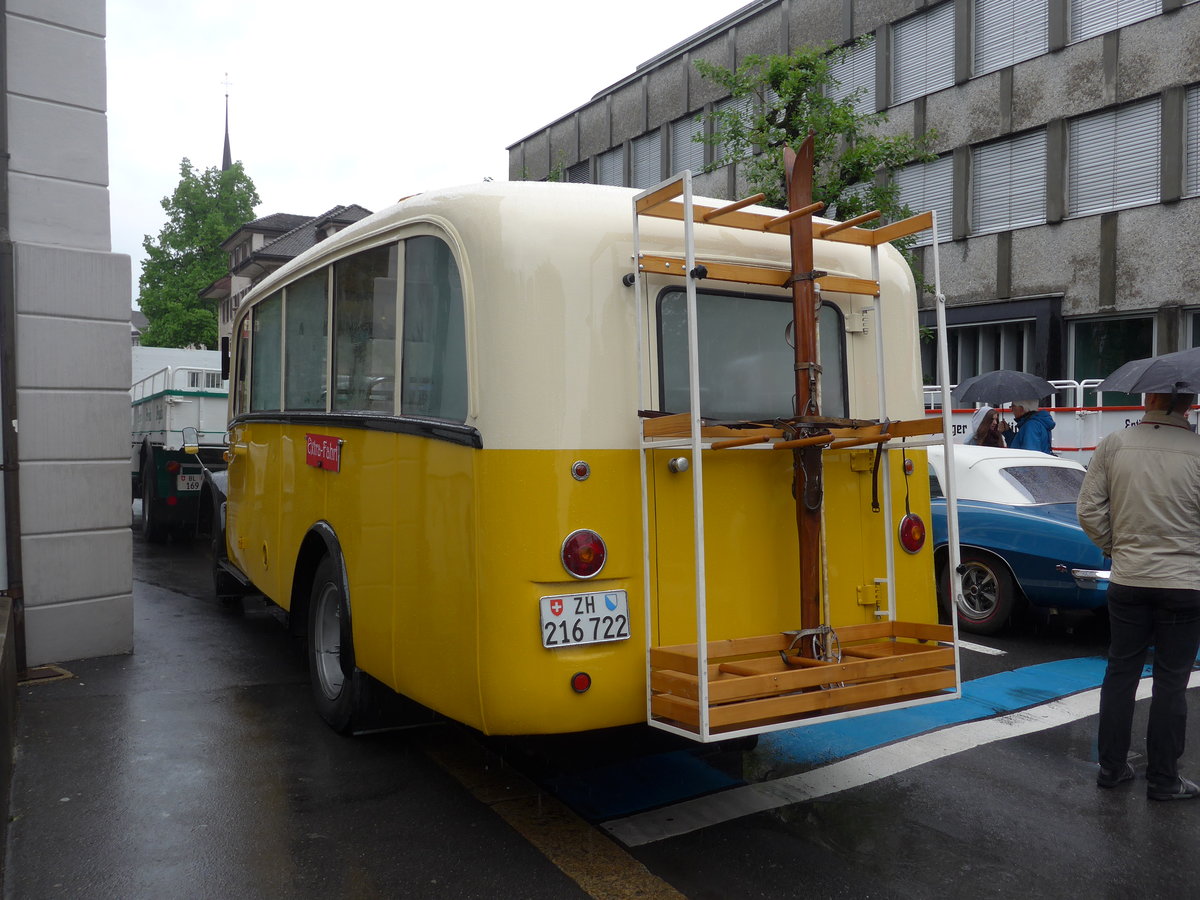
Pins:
<point x="227" y="158"/>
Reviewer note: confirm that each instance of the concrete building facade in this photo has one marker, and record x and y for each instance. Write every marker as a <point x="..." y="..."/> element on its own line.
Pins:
<point x="1068" y="179"/>
<point x="65" y="330"/>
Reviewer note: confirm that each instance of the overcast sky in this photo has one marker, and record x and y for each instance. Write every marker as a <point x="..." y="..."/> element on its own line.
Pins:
<point x="355" y="101"/>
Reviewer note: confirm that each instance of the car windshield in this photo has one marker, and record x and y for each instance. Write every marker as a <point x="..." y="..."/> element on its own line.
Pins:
<point x="1045" y="484"/>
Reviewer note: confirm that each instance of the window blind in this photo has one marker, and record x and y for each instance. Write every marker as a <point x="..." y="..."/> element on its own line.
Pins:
<point x="923" y="53"/>
<point x="1092" y="17"/>
<point x="1191" y="185"/>
<point x="1008" y="184"/>
<point x="646" y="159"/>
<point x="1009" y="31"/>
<point x="1113" y="159"/>
<point x="856" y="72"/>
<point x="610" y="166"/>
<point x="686" y="151"/>
<point x="930" y="186"/>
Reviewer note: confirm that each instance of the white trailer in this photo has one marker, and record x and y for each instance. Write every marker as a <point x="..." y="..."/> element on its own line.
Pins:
<point x="188" y="394"/>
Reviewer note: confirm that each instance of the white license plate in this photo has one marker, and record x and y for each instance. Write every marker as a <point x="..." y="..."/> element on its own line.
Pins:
<point x="571" y="620"/>
<point x="188" y="482"/>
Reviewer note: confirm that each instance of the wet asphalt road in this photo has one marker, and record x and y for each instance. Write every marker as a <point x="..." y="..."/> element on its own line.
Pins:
<point x="196" y="767"/>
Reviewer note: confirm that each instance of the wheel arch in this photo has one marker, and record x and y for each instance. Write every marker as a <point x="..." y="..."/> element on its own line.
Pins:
<point x="941" y="558"/>
<point x="321" y="541"/>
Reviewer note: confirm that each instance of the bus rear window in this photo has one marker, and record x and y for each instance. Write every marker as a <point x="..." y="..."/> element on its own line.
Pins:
<point x="746" y="362"/>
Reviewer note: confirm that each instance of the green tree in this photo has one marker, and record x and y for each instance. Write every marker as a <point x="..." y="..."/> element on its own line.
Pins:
<point x="186" y="257"/>
<point x="789" y="99"/>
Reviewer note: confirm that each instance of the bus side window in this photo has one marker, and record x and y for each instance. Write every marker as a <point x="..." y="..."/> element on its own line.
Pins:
<point x="434" y="358"/>
<point x="265" y="354"/>
<point x="241" y="388"/>
<point x="305" y="348"/>
<point x="364" y="340"/>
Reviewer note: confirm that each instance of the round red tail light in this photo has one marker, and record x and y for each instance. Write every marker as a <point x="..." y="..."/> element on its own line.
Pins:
<point x="583" y="553"/>
<point x="912" y="533"/>
<point x="580" y="682"/>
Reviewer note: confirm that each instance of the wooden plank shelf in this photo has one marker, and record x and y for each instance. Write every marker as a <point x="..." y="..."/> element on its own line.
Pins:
<point x="750" y="685"/>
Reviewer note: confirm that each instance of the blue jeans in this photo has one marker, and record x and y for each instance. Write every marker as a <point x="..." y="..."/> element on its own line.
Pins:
<point x="1168" y="619"/>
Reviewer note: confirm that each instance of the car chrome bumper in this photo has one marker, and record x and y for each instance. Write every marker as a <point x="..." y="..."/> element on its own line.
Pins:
<point x="1091" y="579"/>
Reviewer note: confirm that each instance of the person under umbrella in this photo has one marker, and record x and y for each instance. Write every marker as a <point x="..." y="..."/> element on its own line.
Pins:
<point x="985" y="428"/>
<point x="1140" y="504"/>
<point x="1030" y="429"/>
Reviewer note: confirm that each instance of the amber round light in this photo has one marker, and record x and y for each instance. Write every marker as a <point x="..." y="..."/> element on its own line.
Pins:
<point x="912" y="533"/>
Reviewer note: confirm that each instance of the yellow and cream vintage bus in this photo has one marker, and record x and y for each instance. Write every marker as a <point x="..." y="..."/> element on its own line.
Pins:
<point x="464" y="456"/>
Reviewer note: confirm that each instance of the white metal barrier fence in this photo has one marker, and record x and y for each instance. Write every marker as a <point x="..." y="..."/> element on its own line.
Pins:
<point x="1080" y="417"/>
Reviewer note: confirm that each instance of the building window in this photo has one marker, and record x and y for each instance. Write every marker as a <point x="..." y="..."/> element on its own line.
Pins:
<point x="1008" y="184"/>
<point x="923" y="53"/>
<point x="1092" y="17"/>
<point x="578" y="173"/>
<point x="1113" y="159"/>
<point x="686" y="151"/>
<point x="1194" y="328"/>
<point x="1100" y="346"/>
<point x="1009" y="31"/>
<point x="855" y="76"/>
<point x="930" y="186"/>
<point x="646" y="160"/>
<point x="743" y="107"/>
<point x="610" y="166"/>
<point x="1191" y="185"/>
<point x="973" y="349"/>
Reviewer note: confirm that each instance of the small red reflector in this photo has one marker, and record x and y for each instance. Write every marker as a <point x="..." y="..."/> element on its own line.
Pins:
<point x="583" y="553"/>
<point x="172" y="500"/>
<point x="173" y="465"/>
<point x="912" y="533"/>
<point x="580" y="682"/>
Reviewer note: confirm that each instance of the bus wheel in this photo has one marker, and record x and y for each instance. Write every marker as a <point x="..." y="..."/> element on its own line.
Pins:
<point x="153" y="530"/>
<point x="336" y="683"/>
<point x="989" y="595"/>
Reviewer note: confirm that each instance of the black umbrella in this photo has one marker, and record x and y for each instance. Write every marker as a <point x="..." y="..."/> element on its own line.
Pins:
<point x="1171" y="373"/>
<point x="1002" y="386"/>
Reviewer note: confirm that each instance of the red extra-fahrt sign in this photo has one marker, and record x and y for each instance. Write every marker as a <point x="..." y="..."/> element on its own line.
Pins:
<point x="323" y="452"/>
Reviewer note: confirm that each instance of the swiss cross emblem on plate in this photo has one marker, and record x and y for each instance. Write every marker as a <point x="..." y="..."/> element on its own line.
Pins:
<point x="556" y="606"/>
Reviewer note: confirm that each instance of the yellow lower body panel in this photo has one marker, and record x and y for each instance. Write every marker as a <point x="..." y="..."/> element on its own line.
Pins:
<point x="448" y="550"/>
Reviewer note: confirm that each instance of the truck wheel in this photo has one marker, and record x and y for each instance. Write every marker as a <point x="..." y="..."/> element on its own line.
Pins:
<point x="337" y="685"/>
<point x="153" y="529"/>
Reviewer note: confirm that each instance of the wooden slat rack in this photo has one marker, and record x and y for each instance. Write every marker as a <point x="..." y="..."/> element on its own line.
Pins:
<point x="750" y="684"/>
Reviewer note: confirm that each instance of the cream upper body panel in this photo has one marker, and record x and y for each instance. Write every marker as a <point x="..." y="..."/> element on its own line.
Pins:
<point x="552" y="329"/>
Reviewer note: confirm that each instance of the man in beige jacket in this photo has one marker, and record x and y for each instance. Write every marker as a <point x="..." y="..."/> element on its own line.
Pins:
<point x="1140" y="504"/>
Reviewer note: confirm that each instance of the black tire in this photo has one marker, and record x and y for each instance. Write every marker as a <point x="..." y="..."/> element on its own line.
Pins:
<point x="154" y="531"/>
<point x="989" y="595"/>
<point x="337" y="685"/>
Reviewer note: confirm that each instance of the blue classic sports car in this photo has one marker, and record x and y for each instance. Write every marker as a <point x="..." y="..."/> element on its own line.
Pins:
<point x="1020" y="539"/>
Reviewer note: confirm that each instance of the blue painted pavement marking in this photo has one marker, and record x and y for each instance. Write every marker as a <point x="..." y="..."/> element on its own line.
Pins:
<point x="982" y="698"/>
<point x="627" y="788"/>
